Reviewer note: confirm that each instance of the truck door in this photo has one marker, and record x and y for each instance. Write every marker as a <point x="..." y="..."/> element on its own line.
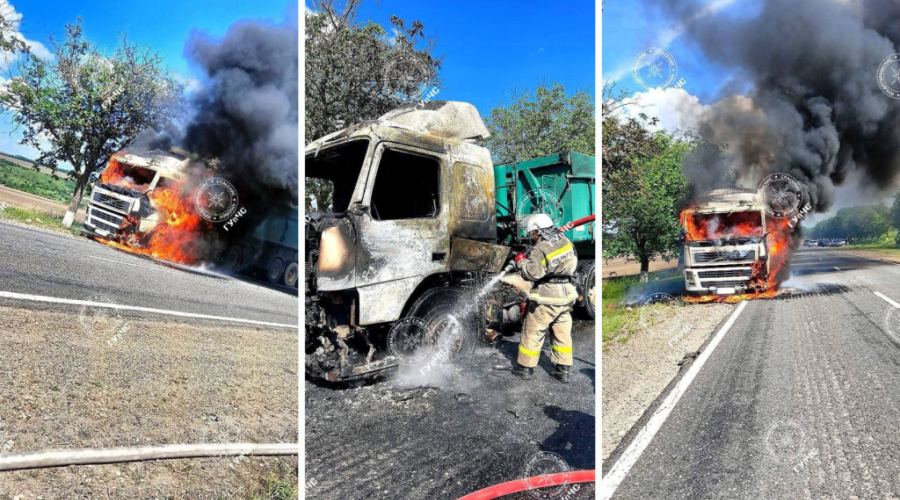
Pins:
<point x="403" y="234"/>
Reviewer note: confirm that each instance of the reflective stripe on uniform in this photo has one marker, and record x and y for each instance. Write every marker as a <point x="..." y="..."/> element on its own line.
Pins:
<point x="561" y="349"/>
<point x="555" y="301"/>
<point x="526" y="351"/>
<point x="557" y="253"/>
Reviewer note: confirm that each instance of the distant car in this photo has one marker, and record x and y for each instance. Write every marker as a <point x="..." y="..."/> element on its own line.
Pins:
<point x="809" y="243"/>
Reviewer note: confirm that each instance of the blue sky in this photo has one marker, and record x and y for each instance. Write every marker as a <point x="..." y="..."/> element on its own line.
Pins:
<point x="630" y="27"/>
<point x="164" y="25"/>
<point x="490" y="47"/>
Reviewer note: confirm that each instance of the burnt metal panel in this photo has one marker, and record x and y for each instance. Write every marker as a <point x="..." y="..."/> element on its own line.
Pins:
<point x="337" y="258"/>
<point x="469" y="255"/>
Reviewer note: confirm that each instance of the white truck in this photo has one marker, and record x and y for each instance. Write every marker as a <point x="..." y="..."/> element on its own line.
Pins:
<point x="724" y="243"/>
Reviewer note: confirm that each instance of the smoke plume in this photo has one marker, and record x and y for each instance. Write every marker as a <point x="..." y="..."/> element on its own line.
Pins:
<point x="815" y="109"/>
<point x="247" y="113"/>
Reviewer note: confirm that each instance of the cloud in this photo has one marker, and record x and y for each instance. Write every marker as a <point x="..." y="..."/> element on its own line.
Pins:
<point x="675" y="108"/>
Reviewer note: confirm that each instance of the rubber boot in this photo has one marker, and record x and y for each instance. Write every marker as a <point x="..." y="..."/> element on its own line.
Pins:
<point x="561" y="373"/>
<point x="523" y="372"/>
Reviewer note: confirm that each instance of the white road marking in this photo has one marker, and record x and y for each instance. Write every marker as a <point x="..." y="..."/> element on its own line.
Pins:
<point x="54" y="300"/>
<point x="631" y="455"/>
<point x="886" y="299"/>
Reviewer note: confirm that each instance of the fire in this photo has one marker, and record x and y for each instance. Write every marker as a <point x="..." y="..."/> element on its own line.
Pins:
<point x="744" y="224"/>
<point x="178" y="235"/>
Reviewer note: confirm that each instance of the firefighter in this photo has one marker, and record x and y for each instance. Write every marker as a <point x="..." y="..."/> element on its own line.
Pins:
<point x="550" y="266"/>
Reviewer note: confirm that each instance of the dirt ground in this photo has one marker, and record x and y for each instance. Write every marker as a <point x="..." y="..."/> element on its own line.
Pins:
<point x="623" y="267"/>
<point x="636" y="372"/>
<point x="887" y="255"/>
<point x="28" y="201"/>
<point x="453" y="430"/>
<point x="79" y="378"/>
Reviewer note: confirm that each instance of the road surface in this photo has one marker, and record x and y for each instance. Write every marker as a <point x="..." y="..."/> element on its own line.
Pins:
<point x="799" y="398"/>
<point x="452" y="432"/>
<point x="59" y="266"/>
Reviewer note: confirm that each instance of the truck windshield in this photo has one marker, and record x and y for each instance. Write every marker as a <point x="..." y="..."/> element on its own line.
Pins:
<point x="128" y="176"/>
<point x="331" y="176"/>
<point x="717" y="226"/>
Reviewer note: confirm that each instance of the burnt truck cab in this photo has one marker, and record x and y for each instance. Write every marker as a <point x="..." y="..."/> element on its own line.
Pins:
<point x="411" y="220"/>
<point x="724" y="248"/>
<point x="126" y="208"/>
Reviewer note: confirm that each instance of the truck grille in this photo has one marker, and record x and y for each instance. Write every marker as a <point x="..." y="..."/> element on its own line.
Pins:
<point x="111" y="202"/>
<point x="720" y="284"/>
<point x="97" y="214"/>
<point x="731" y="273"/>
<point x="106" y="227"/>
<point x="725" y="256"/>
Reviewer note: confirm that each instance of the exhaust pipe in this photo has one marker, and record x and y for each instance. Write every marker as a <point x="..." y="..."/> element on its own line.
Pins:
<point x="96" y="456"/>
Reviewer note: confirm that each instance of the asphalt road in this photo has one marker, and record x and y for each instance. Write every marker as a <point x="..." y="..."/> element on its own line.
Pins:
<point x="60" y="266"/>
<point x="800" y="398"/>
<point x="451" y="431"/>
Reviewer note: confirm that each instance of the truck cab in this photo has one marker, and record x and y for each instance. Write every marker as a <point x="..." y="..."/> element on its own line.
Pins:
<point x="121" y="203"/>
<point x="724" y="243"/>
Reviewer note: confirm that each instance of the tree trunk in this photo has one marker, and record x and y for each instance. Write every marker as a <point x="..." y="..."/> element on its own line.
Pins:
<point x="645" y="269"/>
<point x="76" y="200"/>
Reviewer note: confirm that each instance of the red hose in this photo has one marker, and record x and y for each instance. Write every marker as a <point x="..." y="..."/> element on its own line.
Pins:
<point x="519" y="485"/>
<point x="583" y="220"/>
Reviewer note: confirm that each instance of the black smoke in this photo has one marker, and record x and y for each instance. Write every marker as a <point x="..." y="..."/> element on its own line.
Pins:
<point x="246" y="115"/>
<point x="814" y="108"/>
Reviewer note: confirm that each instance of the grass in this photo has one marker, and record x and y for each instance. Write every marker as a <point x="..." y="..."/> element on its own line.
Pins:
<point x="38" y="219"/>
<point x="36" y="183"/>
<point x="618" y="321"/>
<point x="886" y="242"/>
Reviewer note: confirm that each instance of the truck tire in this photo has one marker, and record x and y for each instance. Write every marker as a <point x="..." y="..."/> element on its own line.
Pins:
<point x="275" y="270"/>
<point x="292" y="274"/>
<point x="587" y="285"/>
<point x="233" y="258"/>
<point x="453" y="322"/>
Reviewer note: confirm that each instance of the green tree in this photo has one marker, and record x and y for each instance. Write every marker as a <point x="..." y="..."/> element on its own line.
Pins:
<point x="84" y="105"/>
<point x="356" y="71"/>
<point x="640" y="199"/>
<point x="540" y="123"/>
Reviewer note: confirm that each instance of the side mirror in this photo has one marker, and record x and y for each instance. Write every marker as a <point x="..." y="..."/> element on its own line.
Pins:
<point x="359" y="209"/>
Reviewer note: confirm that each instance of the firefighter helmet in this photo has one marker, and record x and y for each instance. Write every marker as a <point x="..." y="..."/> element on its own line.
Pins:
<point x="538" y="222"/>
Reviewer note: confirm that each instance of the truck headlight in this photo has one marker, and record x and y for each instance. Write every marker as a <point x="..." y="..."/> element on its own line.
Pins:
<point x="689" y="278"/>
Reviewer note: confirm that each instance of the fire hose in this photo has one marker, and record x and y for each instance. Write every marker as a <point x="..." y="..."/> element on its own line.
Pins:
<point x="520" y="485"/>
<point x="95" y="456"/>
<point x="562" y="229"/>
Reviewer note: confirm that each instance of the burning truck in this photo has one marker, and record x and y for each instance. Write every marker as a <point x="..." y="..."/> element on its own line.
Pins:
<point x="731" y="248"/>
<point x="147" y="204"/>
<point x="409" y="254"/>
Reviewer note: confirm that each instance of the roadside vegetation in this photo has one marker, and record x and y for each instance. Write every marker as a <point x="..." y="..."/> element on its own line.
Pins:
<point x="38" y="219"/>
<point x="621" y="320"/>
<point x="37" y="183"/>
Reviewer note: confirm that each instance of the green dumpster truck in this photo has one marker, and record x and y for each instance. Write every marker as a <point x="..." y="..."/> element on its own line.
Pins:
<point x="404" y="257"/>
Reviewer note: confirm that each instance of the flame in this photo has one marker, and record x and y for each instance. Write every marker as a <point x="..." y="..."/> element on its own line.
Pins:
<point x="178" y="234"/>
<point x="743" y="224"/>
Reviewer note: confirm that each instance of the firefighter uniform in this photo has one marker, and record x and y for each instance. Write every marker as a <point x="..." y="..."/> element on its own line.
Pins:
<point x="551" y="266"/>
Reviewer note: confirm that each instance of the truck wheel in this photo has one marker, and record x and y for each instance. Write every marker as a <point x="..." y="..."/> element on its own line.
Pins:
<point x="451" y="323"/>
<point x="233" y="258"/>
<point x="587" y="285"/>
<point x="291" y="274"/>
<point x="275" y="271"/>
